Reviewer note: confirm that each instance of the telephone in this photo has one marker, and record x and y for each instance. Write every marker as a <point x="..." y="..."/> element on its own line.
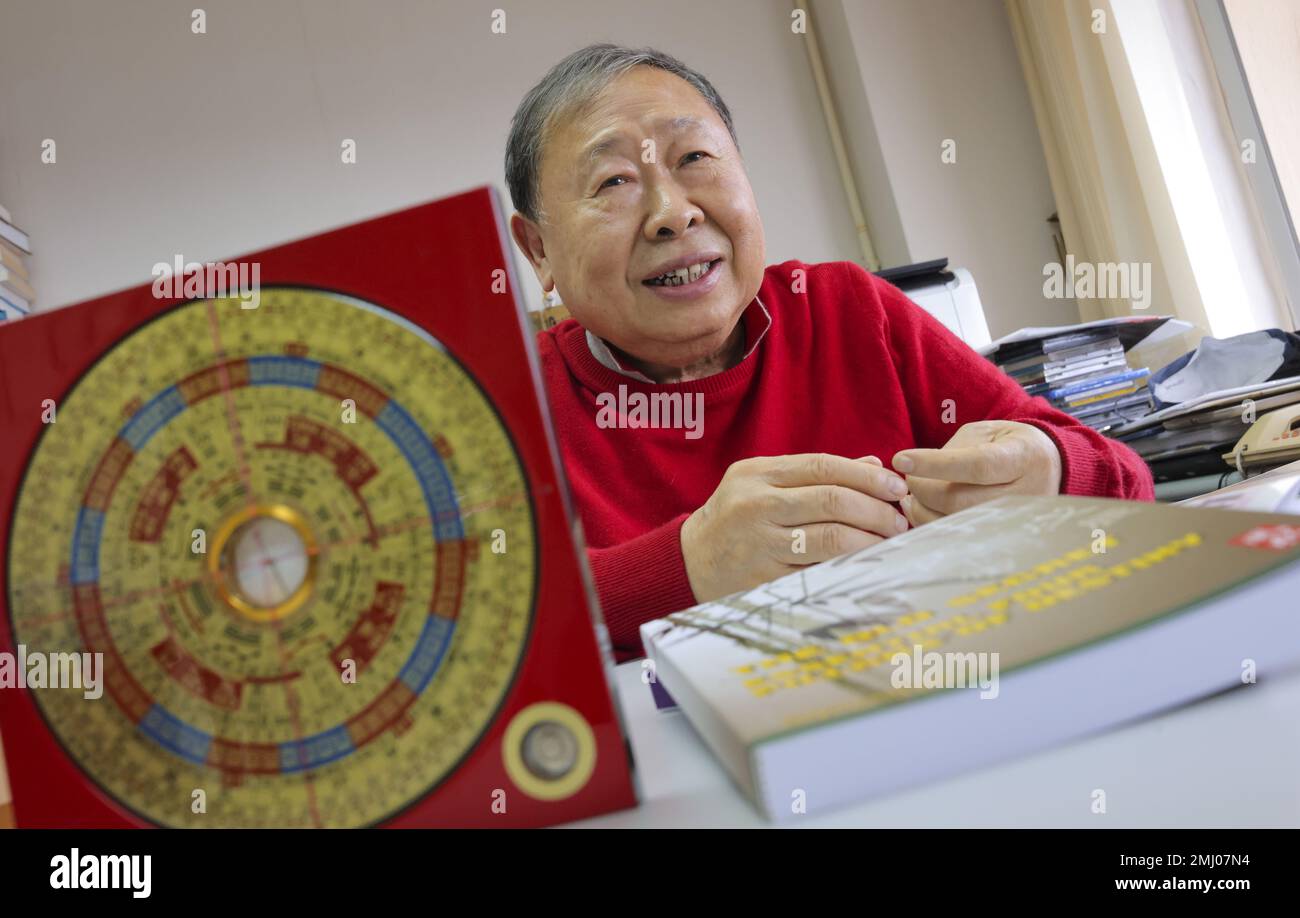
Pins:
<point x="1273" y="439"/>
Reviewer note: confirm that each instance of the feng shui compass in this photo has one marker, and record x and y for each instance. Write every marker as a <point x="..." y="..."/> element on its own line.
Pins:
<point x="319" y="547"/>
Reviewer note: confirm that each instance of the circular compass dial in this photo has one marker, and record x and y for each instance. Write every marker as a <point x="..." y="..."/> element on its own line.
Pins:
<point x="268" y="522"/>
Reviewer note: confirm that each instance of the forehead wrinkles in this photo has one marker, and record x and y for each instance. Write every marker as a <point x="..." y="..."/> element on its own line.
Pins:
<point x="611" y="139"/>
<point x="566" y="135"/>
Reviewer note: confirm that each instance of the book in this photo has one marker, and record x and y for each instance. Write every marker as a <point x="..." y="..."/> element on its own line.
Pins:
<point x="16" y="236"/>
<point x="17" y="284"/>
<point x="13" y="303"/>
<point x="12" y="259"/>
<point x="1010" y="627"/>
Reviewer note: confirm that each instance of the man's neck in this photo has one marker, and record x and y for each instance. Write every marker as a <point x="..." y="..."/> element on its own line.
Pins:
<point x="730" y="354"/>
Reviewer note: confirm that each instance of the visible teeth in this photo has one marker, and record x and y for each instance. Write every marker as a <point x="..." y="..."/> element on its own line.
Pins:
<point x="682" y="275"/>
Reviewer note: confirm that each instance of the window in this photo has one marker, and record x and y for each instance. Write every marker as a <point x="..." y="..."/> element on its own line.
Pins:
<point x="1255" y="47"/>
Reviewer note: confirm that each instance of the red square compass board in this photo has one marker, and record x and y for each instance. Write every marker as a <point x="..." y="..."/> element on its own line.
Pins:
<point x="320" y="538"/>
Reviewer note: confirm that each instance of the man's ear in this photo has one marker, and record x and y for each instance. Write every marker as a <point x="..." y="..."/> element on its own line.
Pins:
<point x="529" y="239"/>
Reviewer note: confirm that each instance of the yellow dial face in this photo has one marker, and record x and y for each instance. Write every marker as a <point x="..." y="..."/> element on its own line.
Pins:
<point x="301" y="539"/>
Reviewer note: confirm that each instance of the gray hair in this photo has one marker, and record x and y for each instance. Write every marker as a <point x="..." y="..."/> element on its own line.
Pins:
<point x="568" y="87"/>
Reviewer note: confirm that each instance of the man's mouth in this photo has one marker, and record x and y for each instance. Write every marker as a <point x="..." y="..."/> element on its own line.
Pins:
<point x="683" y="276"/>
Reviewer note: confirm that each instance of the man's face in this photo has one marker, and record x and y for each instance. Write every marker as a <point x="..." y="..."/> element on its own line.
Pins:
<point x="610" y="222"/>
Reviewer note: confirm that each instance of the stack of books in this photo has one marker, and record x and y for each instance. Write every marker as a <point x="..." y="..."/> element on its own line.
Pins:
<point x="1084" y="374"/>
<point x="1083" y="369"/>
<point x="16" y="293"/>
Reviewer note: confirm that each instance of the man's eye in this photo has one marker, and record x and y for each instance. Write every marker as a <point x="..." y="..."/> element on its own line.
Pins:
<point x="605" y="184"/>
<point x="696" y="153"/>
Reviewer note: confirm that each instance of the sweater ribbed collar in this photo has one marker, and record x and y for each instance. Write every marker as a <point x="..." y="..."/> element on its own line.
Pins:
<point x="597" y="374"/>
<point x="601" y="351"/>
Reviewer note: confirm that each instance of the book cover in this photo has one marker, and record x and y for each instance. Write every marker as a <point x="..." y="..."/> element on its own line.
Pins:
<point x="808" y="682"/>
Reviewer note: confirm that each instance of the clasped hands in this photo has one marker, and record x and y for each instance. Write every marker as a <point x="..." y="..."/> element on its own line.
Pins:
<point x="771" y="515"/>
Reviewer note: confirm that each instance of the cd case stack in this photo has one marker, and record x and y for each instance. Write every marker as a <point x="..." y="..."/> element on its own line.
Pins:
<point x="1084" y="374"/>
<point x="1083" y="370"/>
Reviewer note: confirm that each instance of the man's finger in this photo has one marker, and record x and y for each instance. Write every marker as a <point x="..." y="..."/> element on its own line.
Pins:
<point x="835" y="504"/>
<point x="917" y="513"/>
<point x="948" y="497"/>
<point x="986" y="464"/>
<point x="825" y="469"/>
<point x="823" y="541"/>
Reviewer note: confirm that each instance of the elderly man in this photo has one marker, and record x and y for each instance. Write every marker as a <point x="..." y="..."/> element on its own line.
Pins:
<point x="723" y="423"/>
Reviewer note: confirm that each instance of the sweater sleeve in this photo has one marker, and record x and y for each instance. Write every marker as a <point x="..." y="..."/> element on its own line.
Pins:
<point x="946" y="384"/>
<point x="640" y="580"/>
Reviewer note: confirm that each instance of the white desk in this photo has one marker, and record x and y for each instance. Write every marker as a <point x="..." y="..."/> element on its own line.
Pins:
<point x="1232" y="760"/>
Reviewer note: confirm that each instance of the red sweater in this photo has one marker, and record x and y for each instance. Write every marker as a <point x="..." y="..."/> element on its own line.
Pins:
<point x="849" y="366"/>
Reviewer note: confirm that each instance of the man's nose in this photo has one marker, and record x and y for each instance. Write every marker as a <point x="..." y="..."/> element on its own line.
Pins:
<point x="671" y="211"/>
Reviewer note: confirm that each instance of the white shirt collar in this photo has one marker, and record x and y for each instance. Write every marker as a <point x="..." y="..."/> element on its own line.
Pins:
<point x="600" y="350"/>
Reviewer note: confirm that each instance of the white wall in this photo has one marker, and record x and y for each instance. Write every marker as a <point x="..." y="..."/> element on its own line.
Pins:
<point x="219" y="144"/>
<point x="924" y="71"/>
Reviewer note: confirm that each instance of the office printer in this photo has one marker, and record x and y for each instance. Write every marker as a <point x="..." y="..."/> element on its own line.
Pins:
<point x="949" y="296"/>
